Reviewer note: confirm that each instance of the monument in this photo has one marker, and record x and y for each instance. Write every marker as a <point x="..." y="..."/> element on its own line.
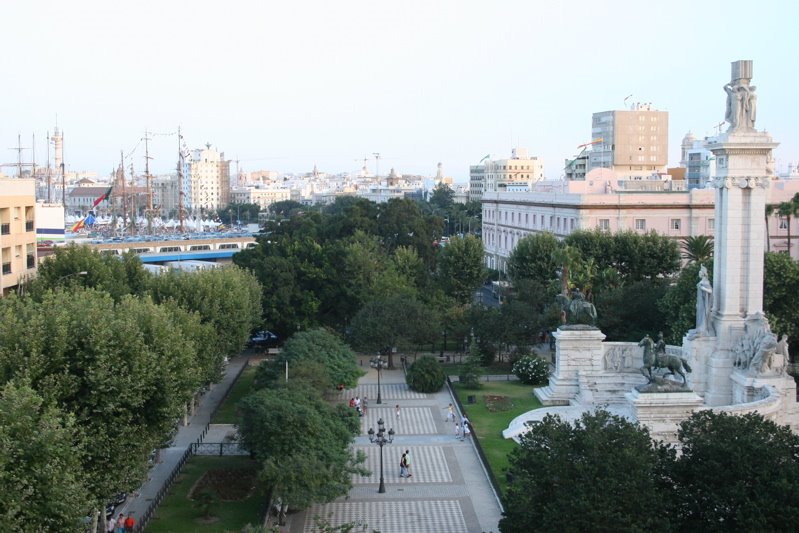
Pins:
<point x="731" y="360"/>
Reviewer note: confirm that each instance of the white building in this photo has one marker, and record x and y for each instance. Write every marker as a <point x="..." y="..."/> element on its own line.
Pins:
<point x="208" y="180"/>
<point x="255" y="195"/>
<point x="519" y="172"/>
<point x="697" y="160"/>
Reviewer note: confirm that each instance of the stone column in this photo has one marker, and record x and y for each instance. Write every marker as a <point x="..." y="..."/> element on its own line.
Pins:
<point x="578" y="349"/>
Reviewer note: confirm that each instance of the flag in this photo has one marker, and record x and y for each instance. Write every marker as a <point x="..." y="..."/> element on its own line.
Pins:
<point x="78" y="225"/>
<point x="105" y="196"/>
<point x="89" y="220"/>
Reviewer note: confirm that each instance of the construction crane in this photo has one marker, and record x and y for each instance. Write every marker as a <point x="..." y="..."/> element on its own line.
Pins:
<point x="583" y="147"/>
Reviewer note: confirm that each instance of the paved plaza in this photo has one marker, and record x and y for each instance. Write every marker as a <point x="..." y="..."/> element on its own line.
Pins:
<point x="448" y="491"/>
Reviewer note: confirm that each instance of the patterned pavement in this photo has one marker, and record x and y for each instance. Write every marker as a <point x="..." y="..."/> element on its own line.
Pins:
<point x="449" y="491"/>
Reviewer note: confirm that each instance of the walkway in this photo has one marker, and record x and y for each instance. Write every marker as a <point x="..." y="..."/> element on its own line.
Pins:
<point x="138" y="502"/>
<point x="449" y="491"/>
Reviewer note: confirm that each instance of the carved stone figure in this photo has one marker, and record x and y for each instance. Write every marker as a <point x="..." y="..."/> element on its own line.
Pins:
<point x="783" y="348"/>
<point x="734" y="111"/>
<point x="756" y="347"/>
<point x="741" y="110"/>
<point x="704" y="303"/>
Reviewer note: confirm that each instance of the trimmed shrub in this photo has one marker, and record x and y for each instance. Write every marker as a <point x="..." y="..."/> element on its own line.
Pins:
<point x="531" y="370"/>
<point x="426" y="375"/>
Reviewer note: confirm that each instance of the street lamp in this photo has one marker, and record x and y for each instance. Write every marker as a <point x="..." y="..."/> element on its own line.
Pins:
<point x="379" y="364"/>
<point x="81" y="273"/>
<point x="381" y="440"/>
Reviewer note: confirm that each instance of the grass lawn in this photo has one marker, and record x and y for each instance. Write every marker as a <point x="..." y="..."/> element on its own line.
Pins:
<point x="489" y="425"/>
<point x="178" y="514"/>
<point x="226" y="414"/>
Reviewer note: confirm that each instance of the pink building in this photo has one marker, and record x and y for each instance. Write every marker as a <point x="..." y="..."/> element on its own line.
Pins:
<point x="606" y="202"/>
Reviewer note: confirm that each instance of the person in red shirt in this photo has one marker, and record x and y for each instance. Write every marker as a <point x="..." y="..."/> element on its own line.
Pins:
<point x="129" y="523"/>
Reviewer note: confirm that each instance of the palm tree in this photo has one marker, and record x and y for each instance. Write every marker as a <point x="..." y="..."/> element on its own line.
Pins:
<point x="697" y="249"/>
<point x="787" y="210"/>
<point x="568" y="257"/>
<point x="770" y="208"/>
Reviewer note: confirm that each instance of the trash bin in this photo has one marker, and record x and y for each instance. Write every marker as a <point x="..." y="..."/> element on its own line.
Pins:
<point x="471" y="398"/>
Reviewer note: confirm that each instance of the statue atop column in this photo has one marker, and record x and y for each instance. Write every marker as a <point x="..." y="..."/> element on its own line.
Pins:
<point x="741" y="110"/>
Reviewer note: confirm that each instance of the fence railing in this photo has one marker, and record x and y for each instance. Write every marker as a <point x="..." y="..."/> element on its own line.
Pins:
<point x="218" y="448"/>
<point x="483" y="459"/>
<point x="145" y="518"/>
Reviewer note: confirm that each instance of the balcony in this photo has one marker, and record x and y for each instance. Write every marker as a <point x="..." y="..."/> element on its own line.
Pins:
<point x="29" y="225"/>
<point x="5" y="228"/>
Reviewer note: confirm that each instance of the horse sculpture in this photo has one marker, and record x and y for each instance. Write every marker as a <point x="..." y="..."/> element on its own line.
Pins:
<point x="576" y="310"/>
<point x="657" y="358"/>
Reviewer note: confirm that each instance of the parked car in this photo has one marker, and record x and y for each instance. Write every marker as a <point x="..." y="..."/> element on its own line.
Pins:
<point x="264" y="339"/>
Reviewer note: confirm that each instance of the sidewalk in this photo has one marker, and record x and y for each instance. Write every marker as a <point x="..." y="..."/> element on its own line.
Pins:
<point x="138" y="502"/>
<point x="449" y="491"/>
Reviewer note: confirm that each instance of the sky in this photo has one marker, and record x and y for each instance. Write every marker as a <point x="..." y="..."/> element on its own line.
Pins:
<point x="289" y="84"/>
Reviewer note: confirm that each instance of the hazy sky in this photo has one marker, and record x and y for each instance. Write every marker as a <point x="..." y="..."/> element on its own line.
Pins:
<point x="284" y="85"/>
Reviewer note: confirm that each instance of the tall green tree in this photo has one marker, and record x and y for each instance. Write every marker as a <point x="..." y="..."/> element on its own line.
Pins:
<point x="322" y="346"/>
<point x="442" y="197"/>
<point x="309" y="460"/>
<point x="678" y="303"/>
<point x="780" y="287"/>
<point x="533" y="258"/>
<point x="460" y="268"/>
<point x="42" y="484"/>
<point x="736" y="473"/>
<point x="601" y="474"/>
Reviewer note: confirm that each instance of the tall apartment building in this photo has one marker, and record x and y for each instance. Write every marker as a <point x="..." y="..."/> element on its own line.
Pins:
<point x="698" y="162"/>
<point x="17" y="232"/>
<point x="519" y="172"/>
<point x="635" y="142"/>
<point x="208" y="181"/>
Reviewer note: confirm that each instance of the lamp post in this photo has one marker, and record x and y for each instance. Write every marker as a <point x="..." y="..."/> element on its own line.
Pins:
<point x="379" y="364"/>
<point x="381" y="440"/>
<point x="81" y="273"/>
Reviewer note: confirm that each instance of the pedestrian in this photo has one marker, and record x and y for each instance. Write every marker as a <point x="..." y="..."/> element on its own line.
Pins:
<point x="130" y="522"/>
<point x="111" y="525"/>
<point x="403" y="466"/>
<point x="466" y="431"/>
<point x="457" y="431"/>
<point x="464" y="421"/>
<point x="352" y="402"/>
<point x="365" y="404"/>
<point x="450" y="413"/>
<point x="357" y="403"/>
<point x="408" y="462"/>
<point x="397" y="409"/>
<point x="121" y="523"/>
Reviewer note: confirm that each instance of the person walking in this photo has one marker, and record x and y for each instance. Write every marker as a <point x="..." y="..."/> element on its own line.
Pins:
<point x="111" y="525"/>
<point x="121" y="523"/>
<point x="398" y="411"/>
<point x="450" y="413"/>
<point x="365" y="403"/>
<point x="466" y="431"/>
<point x="130" y="523"/>
<point x="403" y="466"/>
<point x="408" y="462"/>
<point x="457" y="431"/>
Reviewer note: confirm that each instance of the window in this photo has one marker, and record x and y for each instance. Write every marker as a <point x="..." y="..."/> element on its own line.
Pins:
<point x="604" y="224"/>
<point x="675" y="224"/>
<point x="711" y="224"/>
<point x="783" y="223"/>
<point x="640" y="224"/>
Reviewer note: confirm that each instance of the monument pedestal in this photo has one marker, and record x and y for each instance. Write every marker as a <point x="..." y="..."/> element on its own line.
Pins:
<point x="662" y="412"/>
<point x="697" y="350"/>
<point x="578" y="349"/>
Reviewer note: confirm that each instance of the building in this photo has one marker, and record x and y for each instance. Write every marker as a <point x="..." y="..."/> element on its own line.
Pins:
<point x="209" y="180"/>
<point x="633" y="142"/>
<point x="697" y="160"/>
<point x="17" y="232"/>
<point x="519" y="172"/>
<point x="255" y="195"/>
<point x="605" y="202"/>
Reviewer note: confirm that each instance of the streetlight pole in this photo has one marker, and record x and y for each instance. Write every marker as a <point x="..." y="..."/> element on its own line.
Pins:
<point x="381" y="440"/>
<point x="378" y="363"/>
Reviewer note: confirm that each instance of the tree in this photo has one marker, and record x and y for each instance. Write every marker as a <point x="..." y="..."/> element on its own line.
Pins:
<point x="228" y="298"/>
<point x="322" y="346"/>
<point x="66" y="268"/>
<point x="285" y="208"/>
<point x="309" y="459"/>
<point x="426" y="375"/>
<point x="395" y="322"/>
<point x="780" y="287"/>
<point x="42" y="484"/>
<point x="460" y="268"/>
<point x="603" y="473"/>
<point x="770" y="209"/>
<point x="442" y="197"/>
<point x="736" y="473"/>
<point x="678" y="303"/>
<point x="471" y="371"/>
<point x="533" y="258"/>
<point x="631" y="311"/>
<point x="697" y="249"/>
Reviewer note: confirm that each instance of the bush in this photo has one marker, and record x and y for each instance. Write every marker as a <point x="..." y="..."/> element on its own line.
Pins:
<point x="426" y="375"/>
<point x="531" y="370"/>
